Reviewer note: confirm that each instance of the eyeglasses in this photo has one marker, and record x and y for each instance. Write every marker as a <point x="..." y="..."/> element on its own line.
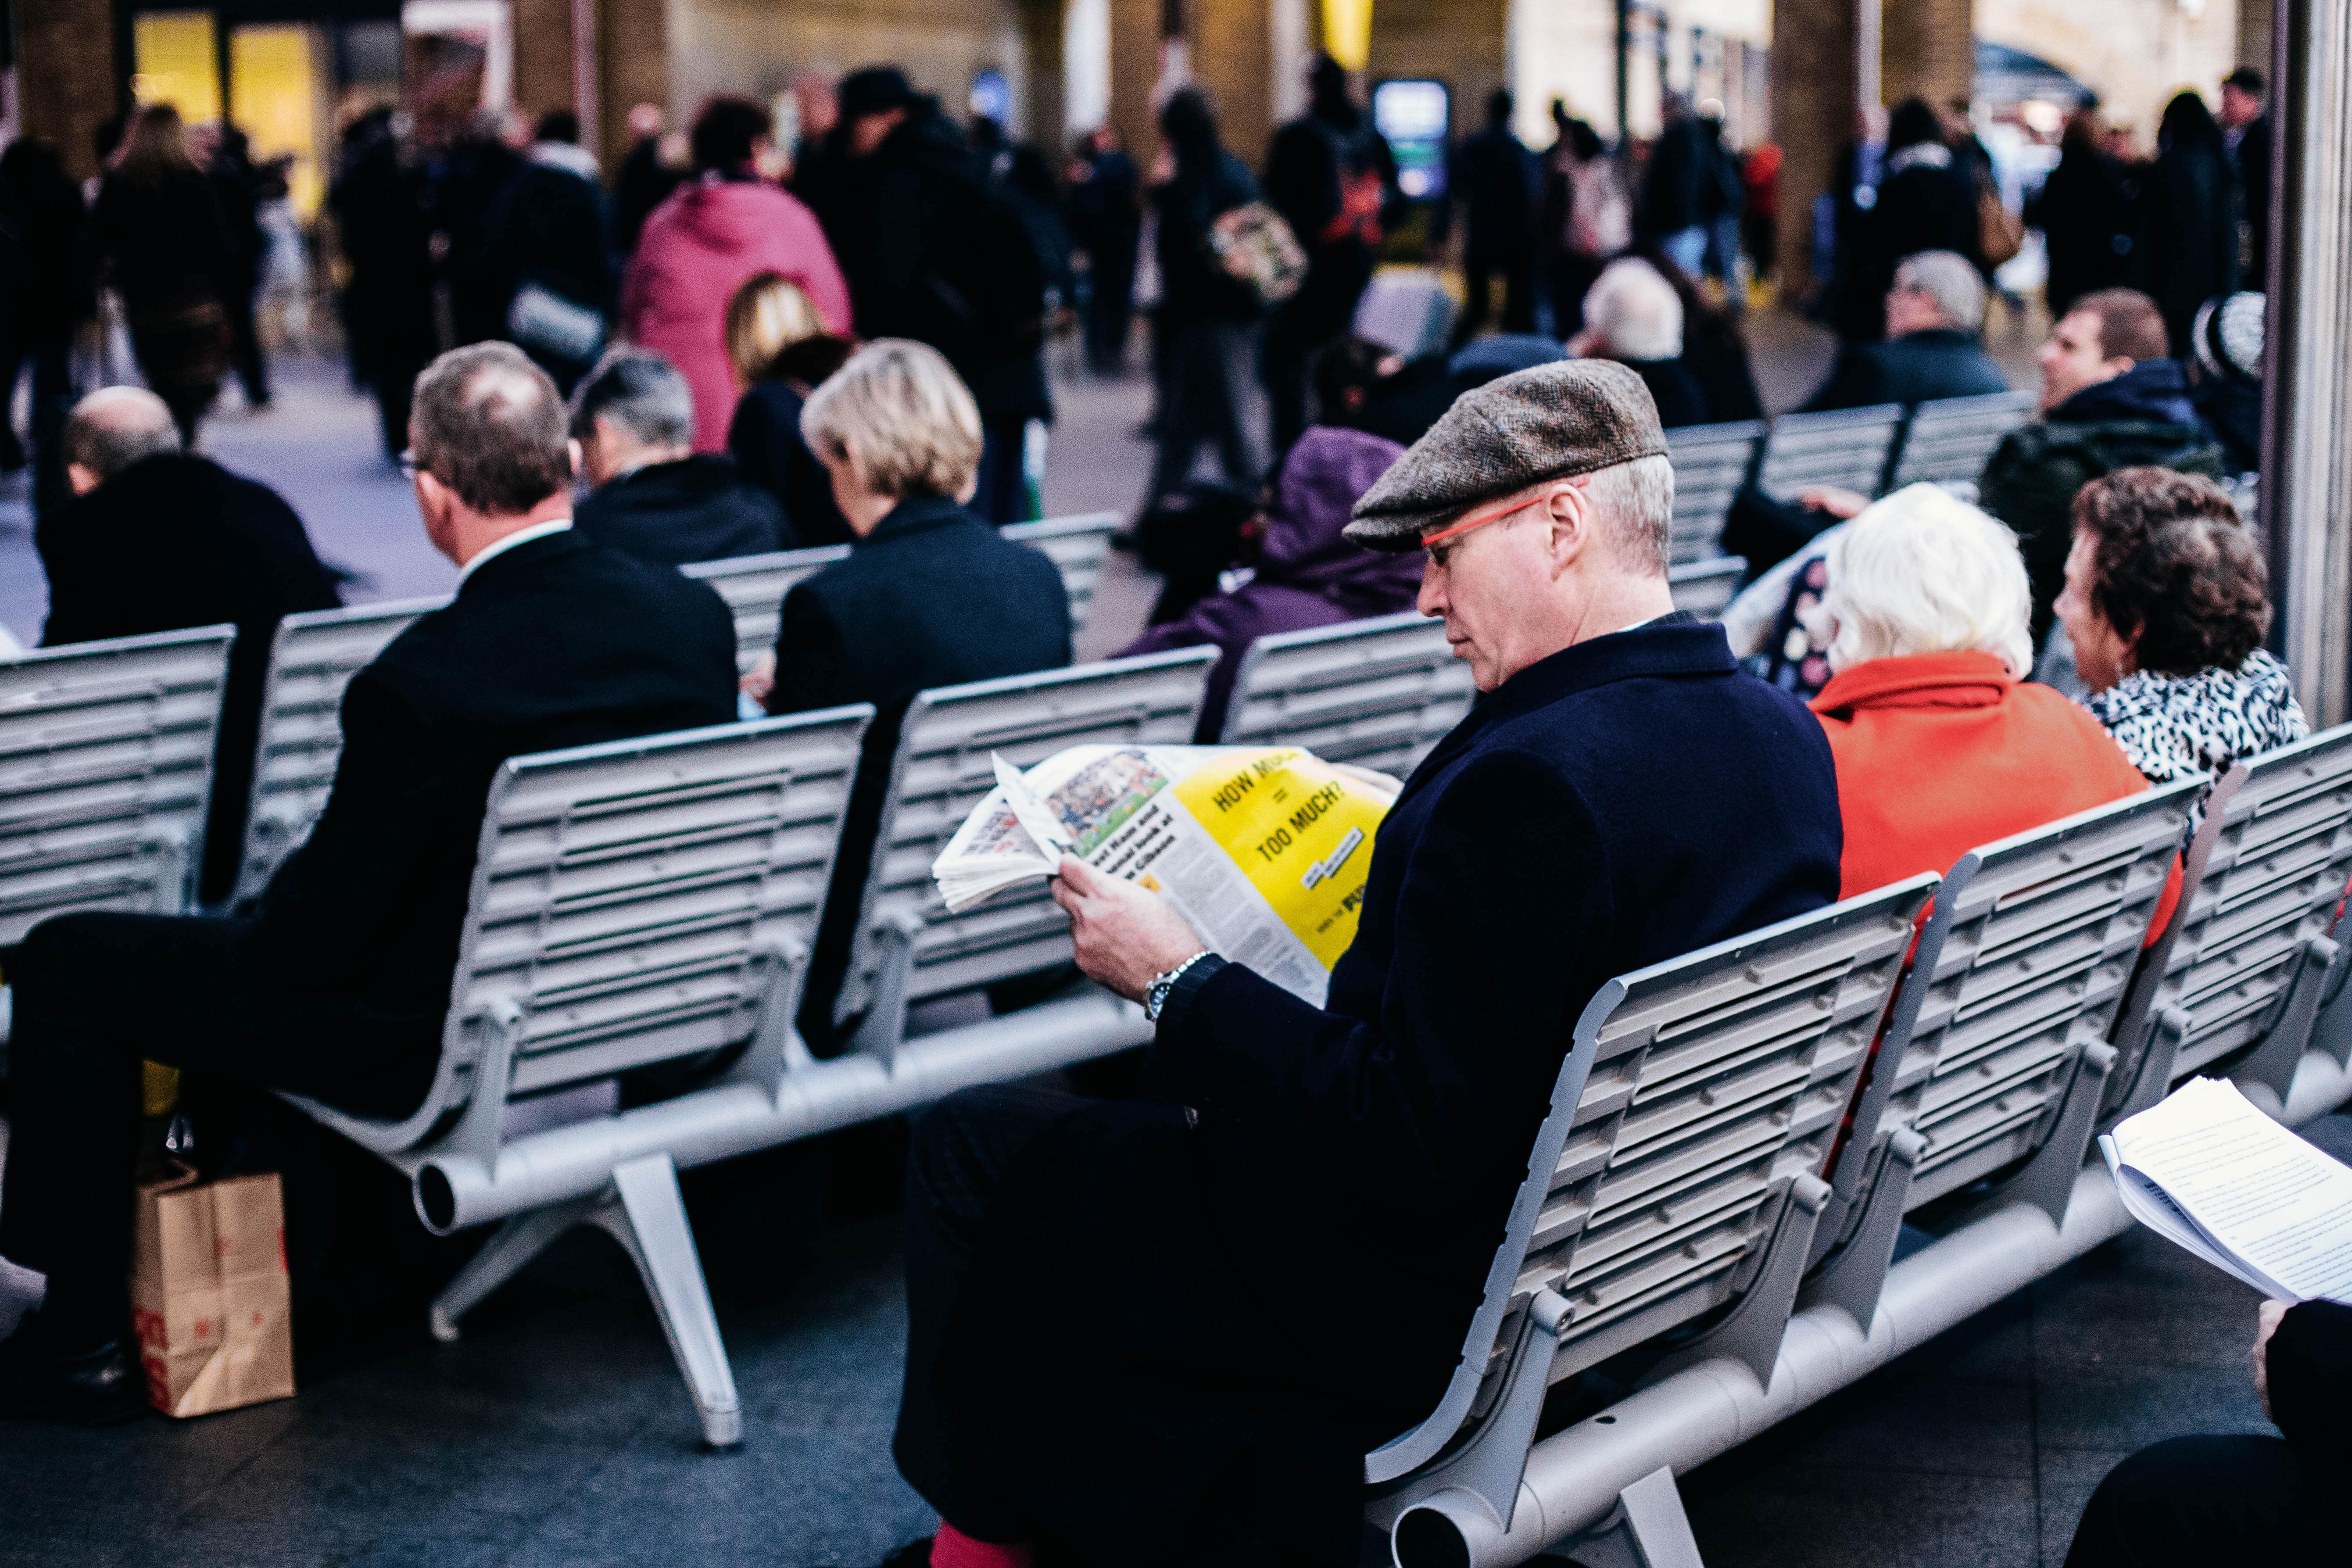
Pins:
<point x="408" y="464"/>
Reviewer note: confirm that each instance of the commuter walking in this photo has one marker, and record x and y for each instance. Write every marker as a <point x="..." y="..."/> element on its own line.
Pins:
<point x="547" y="241"/>
<point x="1673" y="211"/>
<point x="1208" y="320"/>
<point x="932" y="251"/>
<point x="1106" y="224"/>
<point x="2246" y="128"/>
<point x="378" y="203"/>
<point x="1492" y="180"/>
<point x="157" y="231"/>
<point x="2189" y="246"/>
<point x="1332" y="178"/>
<point x="461" y="185"/>
<point x="237" y="187"/>
<point x="701" y="244"/>
<point x="1925" y="200"/>
<point x="649" y="171"/>
<point x="1588" y="217"/>
<point x="45" y="294"/>
<point x="2085" y="215"/>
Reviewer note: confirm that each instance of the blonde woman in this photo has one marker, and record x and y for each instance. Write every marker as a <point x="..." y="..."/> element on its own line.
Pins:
<point x="780" y="353"/>
<point x="1940" y="742"/>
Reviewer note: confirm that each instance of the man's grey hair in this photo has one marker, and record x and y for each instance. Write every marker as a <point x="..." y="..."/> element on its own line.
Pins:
<point x="116" y="427"/>
<point x="639" y="390"/>
<point x="1636" y="503"/>
<point x="1635" y="311"/>
<point x="1951" y="280"/>
<point x="488" y="423"/>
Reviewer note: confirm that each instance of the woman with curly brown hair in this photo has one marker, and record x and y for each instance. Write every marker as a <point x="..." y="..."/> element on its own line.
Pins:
<point x="2166" y="600"/>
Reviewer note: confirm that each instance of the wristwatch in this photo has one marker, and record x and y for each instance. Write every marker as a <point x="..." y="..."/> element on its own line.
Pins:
<point x="1155" y="995"/>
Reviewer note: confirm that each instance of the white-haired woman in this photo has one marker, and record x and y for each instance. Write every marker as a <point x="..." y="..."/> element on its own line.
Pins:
<point x="1940" y="742"/>
<point x="930" y="595"/>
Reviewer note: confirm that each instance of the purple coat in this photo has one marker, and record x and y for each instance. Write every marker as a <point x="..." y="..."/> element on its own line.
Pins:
<point x="1307" y="575"/>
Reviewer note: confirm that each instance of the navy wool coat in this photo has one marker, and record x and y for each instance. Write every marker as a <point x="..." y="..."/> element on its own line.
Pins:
<point x="1192" y="1315"/>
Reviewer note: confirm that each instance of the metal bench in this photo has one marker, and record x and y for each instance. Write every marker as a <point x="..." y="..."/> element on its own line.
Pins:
<point x="1079" y="545"/>
<point x="1705" y="587"/>
<point x="2236" y="984"/>
<point x="635" y="903"/>
<point x="1379" y="692"/>
<point x="754" y="588"/>
<point x="1950" y="439"/>
<point x="908" y="947"/>
<point x="1406" y="310"/>
<point x="1711" y="463"/>
<point x="311" y="659"/>
<point x="1849" y="450"/>
<point x="1995" y="1056"/>
<point x="106" y="766"/>
<point x="1672" y="1184"/>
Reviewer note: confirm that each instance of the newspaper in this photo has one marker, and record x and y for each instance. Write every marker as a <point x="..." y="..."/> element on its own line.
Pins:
<point x="1263" y="848"/>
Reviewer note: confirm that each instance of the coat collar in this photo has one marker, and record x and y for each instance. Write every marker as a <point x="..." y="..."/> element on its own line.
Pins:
<point x="1676" y="644"/>
<point x="913" y="515"/>
<point x="1917" y="680"/>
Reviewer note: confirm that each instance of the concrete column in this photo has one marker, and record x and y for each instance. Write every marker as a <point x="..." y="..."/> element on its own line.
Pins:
<point x="1041" y="51"/>
<point x="1135" y="37"/>
<point x="1465" y="44"/>
<point x="2254" y="35"/>
<point x="633" y="57"/>
<point x="1927" y="49"/>
<point x="1232" y="56"/>
<point x="1814" y="108"/>
<point x="542" y="44"/>
<point x="65" y="81"/>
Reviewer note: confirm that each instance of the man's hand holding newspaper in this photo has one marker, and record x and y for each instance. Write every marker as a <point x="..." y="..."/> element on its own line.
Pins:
<point x="1259" y="852"/>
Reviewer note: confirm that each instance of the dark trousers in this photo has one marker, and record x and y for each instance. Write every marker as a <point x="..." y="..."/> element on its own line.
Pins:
<point x="1111" y="309"/>
<point x="1286" y="363"/>
<point x="1002" y="497"/>
<point x="963" y="1148"/>
<point x="1478" y="268"/>
<point x="245" y="347"/>
<point x="1205" y="379"/>
<point x="96" y="994"/>
<point x="2203" y="1503"/>
<point x="52" y="394"/>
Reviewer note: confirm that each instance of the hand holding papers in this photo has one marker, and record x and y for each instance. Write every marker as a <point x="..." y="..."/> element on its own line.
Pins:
<point x="2215" y="1177"/>
<point x="1262" y="848"/>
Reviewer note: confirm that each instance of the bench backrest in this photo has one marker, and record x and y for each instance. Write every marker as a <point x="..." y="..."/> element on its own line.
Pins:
<point x="311" y="659"/>
<point x="1950" y="439"/>
<point x="1379" y="692"/>
<point x="942" y="770"/>
<point x="1848" y="448"/>
<point x="1695" y="1091"/>
<point x="2279" y="853"/>
<point x="1407" y="310"/>
<point x="1711" y="462"/>
<point x="754" y="588"/>
<point x="106" y="766"/>
<point x="1705" y="587"/>
<point x="2025" y="961"/>
<point x="1077" y="545"/>
<point x="635" y="903"/>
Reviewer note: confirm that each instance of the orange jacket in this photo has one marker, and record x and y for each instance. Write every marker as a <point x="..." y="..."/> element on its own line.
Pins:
<point x="1939" y="752"/>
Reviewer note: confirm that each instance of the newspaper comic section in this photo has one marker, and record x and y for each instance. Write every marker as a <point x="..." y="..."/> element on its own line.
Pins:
<point x="1265" y="848"/>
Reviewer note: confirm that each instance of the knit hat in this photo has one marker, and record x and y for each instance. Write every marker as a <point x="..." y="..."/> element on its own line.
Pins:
<point x="1553" y="422"/>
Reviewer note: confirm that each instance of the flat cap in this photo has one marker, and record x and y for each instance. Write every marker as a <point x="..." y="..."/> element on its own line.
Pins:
<point x="1552" y="422"/>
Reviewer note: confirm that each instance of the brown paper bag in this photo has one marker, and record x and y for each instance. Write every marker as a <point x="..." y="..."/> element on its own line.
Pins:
<point x="209" y="1293"/>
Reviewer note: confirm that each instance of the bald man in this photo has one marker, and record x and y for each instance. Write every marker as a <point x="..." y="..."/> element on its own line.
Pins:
<point x="156" y="540"/>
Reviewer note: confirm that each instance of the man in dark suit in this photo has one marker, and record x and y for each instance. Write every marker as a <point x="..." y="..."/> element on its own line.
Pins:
<point x="1103" y="1296"/>
<point x="930" y="595"/>
<point x="336" y="985"/>
<point x="1934" y="347"/>
<point x="656" y="497"/>
<point x="157" y="540"/>
<point x="2246" y="126"/>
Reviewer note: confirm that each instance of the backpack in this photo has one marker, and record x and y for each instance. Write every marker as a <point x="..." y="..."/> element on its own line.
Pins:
<point x="1253" y="245"/>
<point x="1363" y="187"/>
<point x="1599" y="212"/>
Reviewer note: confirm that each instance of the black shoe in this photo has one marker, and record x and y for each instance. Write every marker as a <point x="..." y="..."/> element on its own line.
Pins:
<point x="102" y="1387"/>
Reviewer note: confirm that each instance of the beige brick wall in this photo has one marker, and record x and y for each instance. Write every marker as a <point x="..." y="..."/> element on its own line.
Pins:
<point x="761" y="46"/>
<point x="1928" y="50"/>
<point x="1813" y="118"/>
<point x="65" y="74"/>
<point x="1463" y="43"/>
<point x="1232" y="56"/>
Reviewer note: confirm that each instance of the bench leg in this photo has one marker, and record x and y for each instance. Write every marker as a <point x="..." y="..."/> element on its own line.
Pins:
<point x="1856" y="1274"/>
<point x="518" y="1240"/>
<point x="2272" y="1066"/>
<point x="647" y="1216"/>
<point x="1751" y="1332"/>
<point x="885" y="1028"/>
<point x="1647" y="1530"/>
<point x="2157" y="1062"/>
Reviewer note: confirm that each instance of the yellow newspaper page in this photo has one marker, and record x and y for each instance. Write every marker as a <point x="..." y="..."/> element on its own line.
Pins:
<point x="1300" y="831"/>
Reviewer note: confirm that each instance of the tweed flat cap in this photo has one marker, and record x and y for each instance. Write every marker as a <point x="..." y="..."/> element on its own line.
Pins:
<point x="1553" y="422"/>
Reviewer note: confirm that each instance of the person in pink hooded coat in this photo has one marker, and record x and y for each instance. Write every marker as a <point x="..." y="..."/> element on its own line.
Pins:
<point x="701" y="244"/>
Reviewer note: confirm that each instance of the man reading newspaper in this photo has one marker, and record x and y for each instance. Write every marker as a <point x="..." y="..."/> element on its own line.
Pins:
<point x="1166" y="1329"/>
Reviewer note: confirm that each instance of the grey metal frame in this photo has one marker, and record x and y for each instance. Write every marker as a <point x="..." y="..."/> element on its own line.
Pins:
<point x="1950" y="439"/>
<point x="1674" y="1178"/>
<point x="1079" y="545"/>
<point x="1849" y="448"/>
<point x="754" y="588"/>
<point x="313" y="659"/>
<point x="1711" y="462"/>
<point x="1378" y="693"/>
<point x="1997" y="1041"/>
<point x="106" y="767"/>
<point x="909" y="948"/>
<point x="2237" y="983"/>
<point x="640" y="902"/>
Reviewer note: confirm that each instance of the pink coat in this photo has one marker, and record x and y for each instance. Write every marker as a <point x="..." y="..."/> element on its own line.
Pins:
<point x="697" y="250"/>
